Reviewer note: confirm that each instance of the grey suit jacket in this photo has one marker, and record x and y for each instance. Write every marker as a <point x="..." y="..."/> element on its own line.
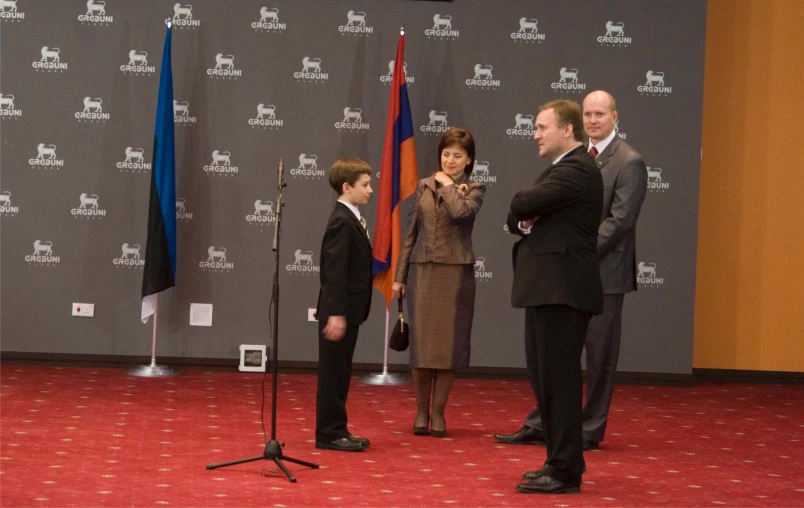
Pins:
<point x="625" y="182"/>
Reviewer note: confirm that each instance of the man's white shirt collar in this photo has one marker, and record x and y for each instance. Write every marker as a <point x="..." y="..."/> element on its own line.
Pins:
<point x="603" y="144"/>
<point x="564" y="154"/>
<point x="351" y="207"/>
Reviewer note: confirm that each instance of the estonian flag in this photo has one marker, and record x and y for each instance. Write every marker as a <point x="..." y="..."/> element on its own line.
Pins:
<point x="398" y="178"/>
<point x="160" y="250"/>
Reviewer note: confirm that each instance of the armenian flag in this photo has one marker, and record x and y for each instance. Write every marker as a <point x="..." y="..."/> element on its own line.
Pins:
<point x="398" y="178"/>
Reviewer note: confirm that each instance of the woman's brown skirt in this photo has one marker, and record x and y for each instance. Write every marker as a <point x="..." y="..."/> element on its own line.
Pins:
<point x="441" y="306"/>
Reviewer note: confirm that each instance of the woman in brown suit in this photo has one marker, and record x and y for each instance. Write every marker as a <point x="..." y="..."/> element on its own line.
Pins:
<point x="436" y="272"/>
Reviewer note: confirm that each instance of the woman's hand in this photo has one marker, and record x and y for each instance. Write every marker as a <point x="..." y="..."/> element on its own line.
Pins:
<point x="443" y="178"/>
<point x="399" y="289"/>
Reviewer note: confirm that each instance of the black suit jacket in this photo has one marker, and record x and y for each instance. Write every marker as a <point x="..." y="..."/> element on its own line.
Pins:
<point x="345" y="269"/>
<point x="556" y="264"/>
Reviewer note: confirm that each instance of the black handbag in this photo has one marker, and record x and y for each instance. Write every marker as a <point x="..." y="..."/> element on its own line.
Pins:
<point x="400" y="340"/>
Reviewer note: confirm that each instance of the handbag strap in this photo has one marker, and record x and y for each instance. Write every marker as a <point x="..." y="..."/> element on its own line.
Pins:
<point x="399" y="301"/>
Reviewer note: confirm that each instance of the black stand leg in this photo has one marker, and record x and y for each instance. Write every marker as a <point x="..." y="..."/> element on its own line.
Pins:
<point x="273" y="450"/>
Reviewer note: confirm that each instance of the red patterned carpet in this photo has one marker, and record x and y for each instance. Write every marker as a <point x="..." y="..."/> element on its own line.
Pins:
<point x="96" y="437"/>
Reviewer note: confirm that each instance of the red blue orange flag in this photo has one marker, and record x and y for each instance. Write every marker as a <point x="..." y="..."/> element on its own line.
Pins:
<point x="398" y="177"/>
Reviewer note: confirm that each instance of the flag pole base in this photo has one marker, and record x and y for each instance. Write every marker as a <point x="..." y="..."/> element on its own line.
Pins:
<point x="385" y="379"/>
<point x="152" y="371"/>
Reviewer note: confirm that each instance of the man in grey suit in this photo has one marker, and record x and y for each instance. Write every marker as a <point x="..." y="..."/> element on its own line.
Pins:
<point x="624" y="186"/>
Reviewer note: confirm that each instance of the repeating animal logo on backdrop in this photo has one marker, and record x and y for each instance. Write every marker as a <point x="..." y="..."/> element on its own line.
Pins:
<point x="387" y="79"/>
<point x="269" y="21"/>
<point x="265" y="118"/>
<point x="46" y="157"/>
<point x="352" y="121"/>
<point x="311" y="71"/>
<point x="528" y="32"/>
<point x="134" y="162"/>
<point x="50" y="60"/>
<point x="481" y="273"/>
<point x="356" y="25"/>
<point x="138" y="64"/>
<point x="568" y="82"/>
<point x="183" y="17"/>
<point x="481" y="173"/>
<point x="42" y="254"/>
<point x="92" y="111"/>
<point x="224" y="68"/>
<point x="620" y="133"/>
<point x="10" y="12"/>
<point x="655" y="182"/>
<point x="88" y="207"/>
<point x="221" y="164"/>
<point x="96" y="14"/>
<point x="646" y="275"/>
<point x="303" y="263"/>
<point x="7" y="108"/>
<point x="6" y="208"/>
<point x="308" y="167"/>
<point x="654" y="85"/>
<point x="216" y="261"/>
<point x="523" y="127"/>
<point x="442" y="28"/>
<point x="182" y="215"/>
<point x="263" y="214"/>
<point x="181" y="113"/>
<point x="130" y="257"/>
<point x="437" y="125"/>
<point x="483" y="78"/>
<point x="615" y="35"/>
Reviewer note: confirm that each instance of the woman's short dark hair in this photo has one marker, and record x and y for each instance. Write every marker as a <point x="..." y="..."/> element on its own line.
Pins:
<point x="462" y="138"/>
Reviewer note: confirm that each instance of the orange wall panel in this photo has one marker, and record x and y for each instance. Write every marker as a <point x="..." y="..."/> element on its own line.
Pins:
<point x="750" y="274"/>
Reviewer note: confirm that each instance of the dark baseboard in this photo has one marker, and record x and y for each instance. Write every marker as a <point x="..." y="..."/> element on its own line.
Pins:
<point x="749" y="376"/>
<point x="297" y="367"/>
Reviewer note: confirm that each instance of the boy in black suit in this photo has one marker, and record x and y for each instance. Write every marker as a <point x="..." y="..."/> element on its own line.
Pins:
<point x="343" y="302"/>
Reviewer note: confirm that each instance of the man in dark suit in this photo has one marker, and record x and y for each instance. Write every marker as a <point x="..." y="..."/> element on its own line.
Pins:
<point x="625" y="184"/>
<point x="557" y="281"/>
<point x="343" y="302"/>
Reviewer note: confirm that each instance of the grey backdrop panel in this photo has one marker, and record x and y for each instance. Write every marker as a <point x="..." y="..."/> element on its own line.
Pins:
<point x="81" y="256"/>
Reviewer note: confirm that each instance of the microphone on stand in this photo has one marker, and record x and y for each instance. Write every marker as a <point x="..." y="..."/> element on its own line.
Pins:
<point x="280" y="185"/>
<point x="281" y="182"/>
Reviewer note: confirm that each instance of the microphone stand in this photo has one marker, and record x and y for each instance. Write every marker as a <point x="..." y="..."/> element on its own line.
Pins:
<point x="273" y="449"/>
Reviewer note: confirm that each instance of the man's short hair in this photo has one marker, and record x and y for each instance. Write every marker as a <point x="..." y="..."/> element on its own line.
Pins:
<point x="567" y="113"/>
<point x="347" y="170"/>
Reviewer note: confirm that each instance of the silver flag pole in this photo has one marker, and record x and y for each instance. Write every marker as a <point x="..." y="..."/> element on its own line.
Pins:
<point x="153" y="370"/>
<point x="386" y="378"/>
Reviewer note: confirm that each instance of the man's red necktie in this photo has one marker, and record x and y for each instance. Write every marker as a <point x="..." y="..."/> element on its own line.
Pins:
<point x="593" y="151"/>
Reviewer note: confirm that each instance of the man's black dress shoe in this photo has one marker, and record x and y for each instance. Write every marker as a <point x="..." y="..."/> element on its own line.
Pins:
<point x="343" y="444"/>
<point x="590" y="445"/>
<point x="532" y="475"/>
<point x="363" y="441"/>
<point x="547" y="485"/>
<point x="525" y="435"/>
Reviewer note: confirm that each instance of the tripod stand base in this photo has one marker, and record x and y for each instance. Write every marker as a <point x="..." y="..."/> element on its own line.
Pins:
<point x="385" y="378"/>
<point x="273" y="451"/>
